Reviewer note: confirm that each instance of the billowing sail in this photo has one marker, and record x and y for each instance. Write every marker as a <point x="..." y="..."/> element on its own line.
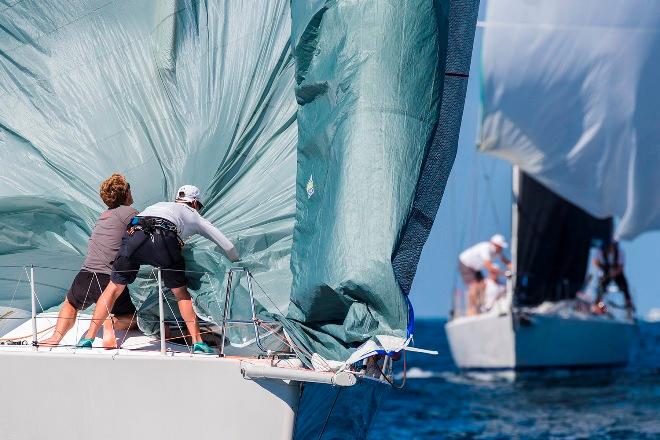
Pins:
<point x="554" y="240"/>
<point x="320" y="132"/>
<point x="381" y="88"/>
<point x="167" y="93"/>
<point x="570" y="94"/>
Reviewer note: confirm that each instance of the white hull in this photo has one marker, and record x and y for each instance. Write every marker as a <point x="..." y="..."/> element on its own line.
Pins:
<point x="510" y="341"/>
<point x="139" y="393"/>
<point x="82" y="396"/>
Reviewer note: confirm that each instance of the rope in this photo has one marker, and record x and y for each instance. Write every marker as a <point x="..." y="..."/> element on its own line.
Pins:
<point x="27" y="336"/>
<point x="325" y="423"/>
<point x="296" y="346"/>
<point x="391" y="382"/>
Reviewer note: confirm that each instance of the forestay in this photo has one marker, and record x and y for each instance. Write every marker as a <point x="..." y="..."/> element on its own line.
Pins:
<point x="570" y="94"/>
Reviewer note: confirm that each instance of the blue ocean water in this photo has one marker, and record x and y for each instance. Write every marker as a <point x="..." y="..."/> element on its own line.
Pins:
<point x="438" y="402"/>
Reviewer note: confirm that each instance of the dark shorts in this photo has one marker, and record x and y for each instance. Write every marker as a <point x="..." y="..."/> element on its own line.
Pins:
<point x="469" y="275"/>
<point x="160" y="249"/>
<point x="87" y="288"/>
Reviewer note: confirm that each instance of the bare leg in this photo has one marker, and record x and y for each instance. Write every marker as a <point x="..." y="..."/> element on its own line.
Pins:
<point x="187" y="312"/>
<point x="473" y="300"/>
<point x="65" y="321"/>
<point x="122" y="322"/>
<point x="109" y="337"/>
<point x="481" y="291"/>
<point x="103" y="307"/>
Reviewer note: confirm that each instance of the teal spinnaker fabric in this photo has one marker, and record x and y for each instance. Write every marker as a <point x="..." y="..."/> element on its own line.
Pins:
<point x="369" y="81"/>
<point x="320" y="132"/>
<point x="167" y="93"/>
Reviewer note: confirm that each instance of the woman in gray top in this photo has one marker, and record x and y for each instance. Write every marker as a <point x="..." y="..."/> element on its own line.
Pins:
<point x="95" y="272"/>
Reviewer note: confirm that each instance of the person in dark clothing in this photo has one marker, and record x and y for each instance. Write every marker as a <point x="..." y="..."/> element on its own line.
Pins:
<point x="610" y="260"/>
<point x="156" y="237"/>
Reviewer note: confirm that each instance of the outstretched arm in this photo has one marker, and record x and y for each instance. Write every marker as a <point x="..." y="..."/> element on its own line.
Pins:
<point x="212" y="233"/>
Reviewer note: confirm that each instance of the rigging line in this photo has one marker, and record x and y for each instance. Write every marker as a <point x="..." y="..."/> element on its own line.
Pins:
<point x="274" y="332"/>
<point x="325" y="423"/>
<point x="215" y="292"/>
<point x="138" y="344"/>
<point x="13" y="295"/>
<point x="302" y="350"/>
<point x="305" y="351"/>
<point x="35" y="295"/>
<point x="130" y="324"/>
<point x="491" y="198"/>
<point x="107" y="309"/>
<point x="391" y="382"/>
<point x="83" y="304"/>
<point x="188" y="347"/>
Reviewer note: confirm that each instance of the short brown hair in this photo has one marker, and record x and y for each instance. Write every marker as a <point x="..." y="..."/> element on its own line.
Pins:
<point x="114" y="191"/>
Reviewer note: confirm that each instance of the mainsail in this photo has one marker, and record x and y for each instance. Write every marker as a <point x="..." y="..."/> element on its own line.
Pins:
<point x="570" y="95"/>
<point x="321" y="133"/>
<point x="554" y="238"/>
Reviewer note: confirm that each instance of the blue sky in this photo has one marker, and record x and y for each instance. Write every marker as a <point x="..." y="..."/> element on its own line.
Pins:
<point x="477" y="204"/>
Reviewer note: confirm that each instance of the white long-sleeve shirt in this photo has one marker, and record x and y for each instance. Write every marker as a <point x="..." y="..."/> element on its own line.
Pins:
<point x="188" y="222"/>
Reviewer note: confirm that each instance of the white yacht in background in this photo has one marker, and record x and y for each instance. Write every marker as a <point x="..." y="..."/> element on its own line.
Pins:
<point x="546" y="328"/>
<point x="569" y="97"/>
<point x="653" y="315"/>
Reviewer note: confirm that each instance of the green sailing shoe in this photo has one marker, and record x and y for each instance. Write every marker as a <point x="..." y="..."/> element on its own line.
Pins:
<point x="85" y="343"/>
<point x="202" y="347"/>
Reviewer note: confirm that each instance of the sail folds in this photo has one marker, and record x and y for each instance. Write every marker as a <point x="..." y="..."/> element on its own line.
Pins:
<point x="570" y="94"/>
<point x="321" y="133"/>
<point x="167" y="93"/>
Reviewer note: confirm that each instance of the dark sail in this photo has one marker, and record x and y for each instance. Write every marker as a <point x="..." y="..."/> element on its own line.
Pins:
<point x="554" y="238"/>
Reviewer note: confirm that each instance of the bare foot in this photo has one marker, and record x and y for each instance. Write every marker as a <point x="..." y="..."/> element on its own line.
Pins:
<point x="109" y="342"/>
<point x="51" y="342"/>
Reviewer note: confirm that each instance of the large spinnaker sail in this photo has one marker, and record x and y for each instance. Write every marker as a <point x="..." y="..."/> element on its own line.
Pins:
<point x="165" y="92"/>
<point x="570" y="94"/>
<point x="554" y="240"/>
<point x="339" y="116"/>
<point x="381" y="88"/>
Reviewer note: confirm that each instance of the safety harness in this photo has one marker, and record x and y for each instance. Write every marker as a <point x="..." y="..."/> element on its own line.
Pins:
<point x="151" y="226"/>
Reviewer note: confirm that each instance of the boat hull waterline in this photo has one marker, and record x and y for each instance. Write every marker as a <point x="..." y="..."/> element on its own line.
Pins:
<point x="511" y="341"/>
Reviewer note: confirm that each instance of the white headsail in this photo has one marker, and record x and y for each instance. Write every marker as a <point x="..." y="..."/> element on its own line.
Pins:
<point x="571" y="94"/>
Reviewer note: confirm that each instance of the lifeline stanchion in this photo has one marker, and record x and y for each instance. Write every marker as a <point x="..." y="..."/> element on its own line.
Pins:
<point x="33" y="294"/>
<point x="161" y="310"/>
<point x="225" y="312"/>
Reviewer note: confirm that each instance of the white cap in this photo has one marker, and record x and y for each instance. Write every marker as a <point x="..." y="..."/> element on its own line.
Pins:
<point x="498" y="240"/>
<point x="188" y="193"/>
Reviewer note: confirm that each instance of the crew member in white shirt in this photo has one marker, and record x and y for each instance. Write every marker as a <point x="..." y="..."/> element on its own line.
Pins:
<point x="475" y="259"/>
<point x="154" y="237"/>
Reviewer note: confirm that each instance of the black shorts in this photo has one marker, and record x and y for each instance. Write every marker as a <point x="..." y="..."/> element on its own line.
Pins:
<point x="86" y="290"/>
<point x="469" y="275"/>
<point x="160" y="249"/>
